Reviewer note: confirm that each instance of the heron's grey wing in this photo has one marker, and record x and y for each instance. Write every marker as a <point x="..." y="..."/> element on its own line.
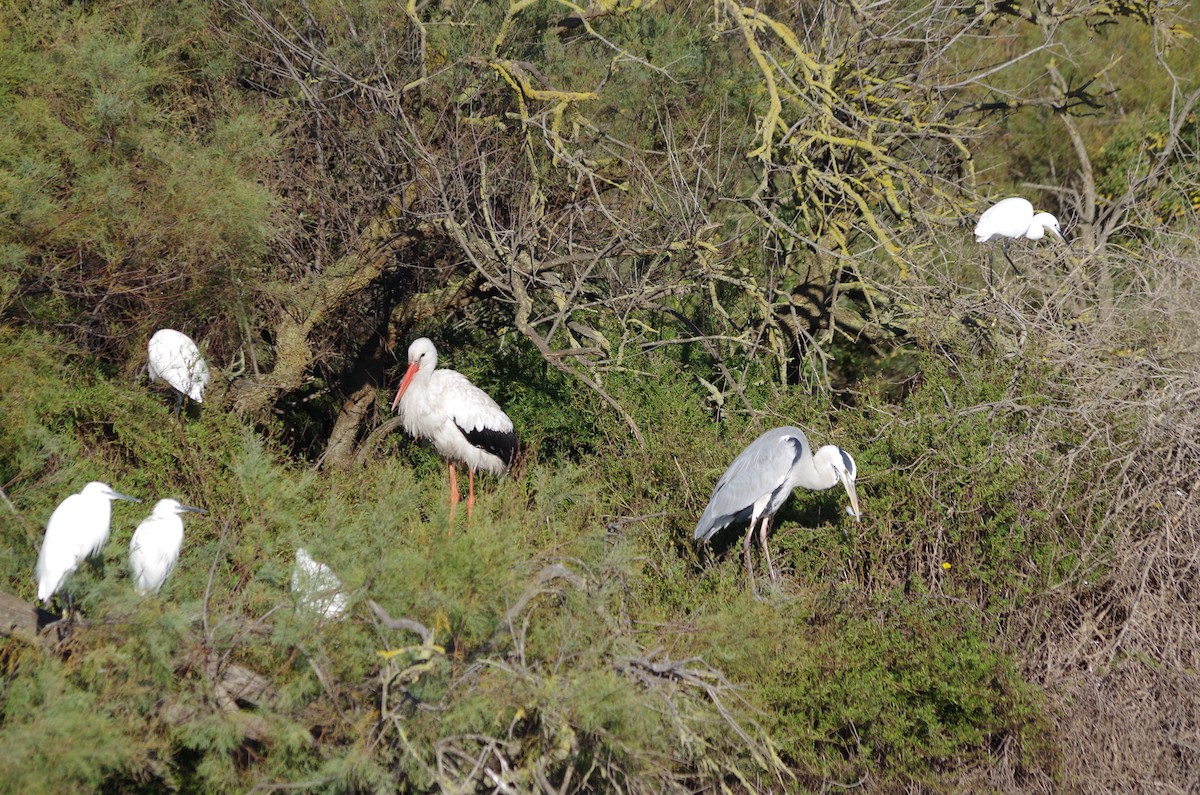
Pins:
<point x="761" y="470"/>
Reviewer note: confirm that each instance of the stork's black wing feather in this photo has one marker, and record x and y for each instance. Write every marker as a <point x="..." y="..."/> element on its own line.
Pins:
<point x="502" y="444"/>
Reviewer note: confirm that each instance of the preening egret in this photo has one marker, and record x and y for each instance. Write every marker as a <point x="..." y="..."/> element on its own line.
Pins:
<point x="77" y="530"/>
<point x="154" y="550"/>
<point x="460" y="419"/>
<point x="1012" y="218"/>
<point x="759" y="480"/>
<point x="174" y="358"/>
<point x="318" y="587"/>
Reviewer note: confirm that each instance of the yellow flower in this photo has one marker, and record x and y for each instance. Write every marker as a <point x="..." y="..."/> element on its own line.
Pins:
<point x="946" y="566"/>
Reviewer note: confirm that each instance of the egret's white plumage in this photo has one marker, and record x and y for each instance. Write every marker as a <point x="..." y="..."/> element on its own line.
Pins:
<point x="461" y="420"/>
<point x="317" y="587"/>
<point x="77" y="530"/>
<point x="174" y="358"/>
<point x="1012" y="218"/>
<point x="759" y="480"/>
<point x="156" y="543"/>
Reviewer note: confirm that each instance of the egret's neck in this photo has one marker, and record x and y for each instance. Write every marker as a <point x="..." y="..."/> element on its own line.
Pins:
<point x="1041" y="223"/>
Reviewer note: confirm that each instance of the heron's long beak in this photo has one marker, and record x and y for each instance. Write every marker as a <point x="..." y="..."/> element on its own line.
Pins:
<point x="408" y="377"/>
<point x="850" y="490"/>
<point x="187" y="508"/>
<point x="116" y="495"/>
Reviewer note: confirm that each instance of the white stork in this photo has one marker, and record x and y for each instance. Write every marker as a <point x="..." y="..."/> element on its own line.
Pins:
<point x="461" y="420"/>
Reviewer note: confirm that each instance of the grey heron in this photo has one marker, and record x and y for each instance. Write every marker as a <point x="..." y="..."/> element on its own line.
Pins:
<point x="759" y="480"/>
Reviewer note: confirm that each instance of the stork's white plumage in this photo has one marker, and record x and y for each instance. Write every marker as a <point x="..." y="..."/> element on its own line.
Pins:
<point x="461" y="420"/>
<point x="174" y="358"/>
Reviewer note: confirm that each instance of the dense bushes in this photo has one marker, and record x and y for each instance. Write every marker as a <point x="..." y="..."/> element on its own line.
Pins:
<point x="870" y="660"/>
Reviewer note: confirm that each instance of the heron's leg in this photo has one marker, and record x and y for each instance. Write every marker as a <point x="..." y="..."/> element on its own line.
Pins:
<point x="453" y="491"/>
<point x="470" y="491"/>
<point x="1016" y="270"/>
<point x="178" y="402"/>
<point x="762" y="539"/>
<point x="746" y="551"/>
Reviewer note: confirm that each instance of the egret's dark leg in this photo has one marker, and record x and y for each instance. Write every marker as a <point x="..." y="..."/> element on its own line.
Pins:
<point x="1016" y="270"/>
<point x="762" y="539"/>
<point x="178" y="402"/>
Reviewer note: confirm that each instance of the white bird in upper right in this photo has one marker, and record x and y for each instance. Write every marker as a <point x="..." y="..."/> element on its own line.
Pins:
<point x="77" y="530"/>
<point x="1012" y="218"/>
<point x="174" y="358"/>
<point x="156" y="543"/>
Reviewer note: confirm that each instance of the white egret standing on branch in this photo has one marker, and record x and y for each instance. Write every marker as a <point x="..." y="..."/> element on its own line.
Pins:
<point x="77" y="530"/>
<point x="1012" y="218"/>
<point x="461" y="420"/>
<point x="759" y="480"/>
<point x="174" y="358"/>
<point x="156" y="543"/>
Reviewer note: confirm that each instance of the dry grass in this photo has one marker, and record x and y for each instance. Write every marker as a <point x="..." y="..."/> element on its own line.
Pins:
<point x="1115" y="640"/>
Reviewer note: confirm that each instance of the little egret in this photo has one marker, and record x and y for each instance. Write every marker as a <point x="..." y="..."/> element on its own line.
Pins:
<point x="1012" y="218"/>
<point x="318" y="587"/>
<point x="461" y="420"/>
<point x="758" y="482"/>
<point x="154" y="550"/>
<point x="174" y="358"/>
<point x="77" y="530"/>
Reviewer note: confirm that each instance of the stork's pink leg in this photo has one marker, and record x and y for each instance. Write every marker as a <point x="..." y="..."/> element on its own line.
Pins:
<point x="470" y="491"/>
<point x="453" y="491"/>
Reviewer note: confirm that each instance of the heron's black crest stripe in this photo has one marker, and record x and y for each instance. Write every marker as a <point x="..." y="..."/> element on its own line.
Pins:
<point x="502" y="444"/>
<point x="848" y="463"/>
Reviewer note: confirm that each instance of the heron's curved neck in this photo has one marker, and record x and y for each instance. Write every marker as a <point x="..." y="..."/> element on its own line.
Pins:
<point x="816" y="472"/>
